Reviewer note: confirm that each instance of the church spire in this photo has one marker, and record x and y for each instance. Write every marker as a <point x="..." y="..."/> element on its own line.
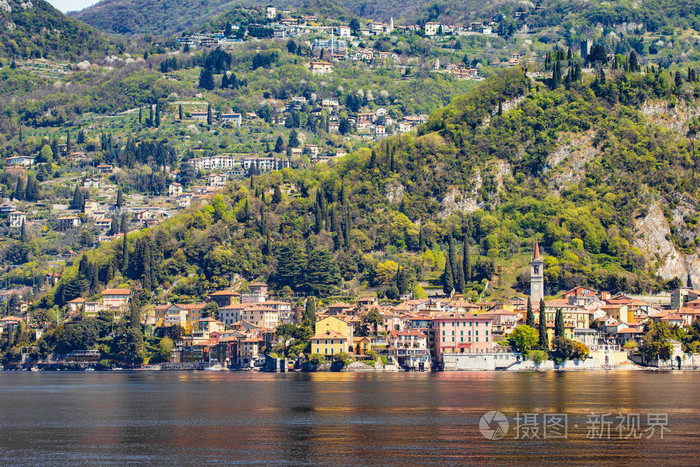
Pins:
<point x="537" y="250"/>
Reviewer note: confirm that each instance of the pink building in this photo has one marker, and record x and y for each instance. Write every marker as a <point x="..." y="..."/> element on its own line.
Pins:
<point x="463" y="334"/>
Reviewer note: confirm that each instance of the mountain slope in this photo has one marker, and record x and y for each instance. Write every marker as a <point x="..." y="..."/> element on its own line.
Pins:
<point x="33" y="29"/>
<point x="609" y="192"/>
<point x="153" y="17"/>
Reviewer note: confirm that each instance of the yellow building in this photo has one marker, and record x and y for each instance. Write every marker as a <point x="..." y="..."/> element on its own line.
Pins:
<point x="332" y="336"/>
<point x="568" y="333"/>
<point x="186" y="316"/>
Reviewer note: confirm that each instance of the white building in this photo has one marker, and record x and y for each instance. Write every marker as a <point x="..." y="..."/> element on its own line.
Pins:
<point x="17" y="218"/>
<point x="213" y="162"/>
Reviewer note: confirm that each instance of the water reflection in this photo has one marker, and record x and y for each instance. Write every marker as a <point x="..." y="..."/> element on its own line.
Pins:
<point x="330" y="418"/>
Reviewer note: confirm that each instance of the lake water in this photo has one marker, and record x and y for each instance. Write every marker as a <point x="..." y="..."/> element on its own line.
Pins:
<point x="347" y="418"/>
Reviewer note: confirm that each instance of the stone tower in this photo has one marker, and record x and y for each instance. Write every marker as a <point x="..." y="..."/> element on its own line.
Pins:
<point x="536" y="277"/>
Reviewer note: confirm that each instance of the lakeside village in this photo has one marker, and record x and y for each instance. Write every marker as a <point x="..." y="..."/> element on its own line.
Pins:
<point x="248" y="328"/>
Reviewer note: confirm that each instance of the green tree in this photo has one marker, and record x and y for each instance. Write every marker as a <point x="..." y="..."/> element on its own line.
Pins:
<point x="562" y="349"/>
<point x="31" y="192"/>
<point x="372" y="319"/>
<point x="206" y="79"/>
<point x="293" y="139"/>
<point x="46" y="154"/>
<point x="279" y="145"/>
<point x="530" y="317"/>
<point x="120" y="198"/>
<point x="524" y="339"/>
<point x="310" y="311"/>
<point x="322" y="273"/>
<point x="543" y="339"/>
<point x="466" y="261"/>
<point x="210" y="118"/>
<point x="559" y="324"/>
<point x="448" y="283"/>
<point x="211" y="310"/>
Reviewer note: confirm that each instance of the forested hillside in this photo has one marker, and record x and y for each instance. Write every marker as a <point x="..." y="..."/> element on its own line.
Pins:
<point x="579" y="166"/>
<point x="35" y="29"/>
<point x="573" y="17"/>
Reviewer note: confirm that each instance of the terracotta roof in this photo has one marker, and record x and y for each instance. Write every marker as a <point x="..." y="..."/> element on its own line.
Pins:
<point x="673" y="316"/>
<point x="10" y="318"/>
<point x="225" y="293"/>
<point x="330" y="335"/>
<point x="77" y="300"/>
<point x="116" y="292"/>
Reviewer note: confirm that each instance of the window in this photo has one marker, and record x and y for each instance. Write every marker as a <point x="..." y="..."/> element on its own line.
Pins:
<point x="326" y="350"/>
<point x="326" y="342"/>
<point x="331" y="341"/>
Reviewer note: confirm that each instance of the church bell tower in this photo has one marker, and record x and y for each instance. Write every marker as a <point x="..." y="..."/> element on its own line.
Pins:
<point x="536" y="277"/>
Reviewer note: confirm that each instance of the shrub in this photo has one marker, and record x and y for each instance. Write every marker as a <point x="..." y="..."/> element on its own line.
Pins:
<point x="371" y="363"/>
<point x="631" y="345"/>
<point x="343" y="357"/>
<point x="384" y="360"/>
<point x="103" y="365"/>
<point x="316" y="359"/>
<point x="371" y="354"/>
<point x="538" y="356"/>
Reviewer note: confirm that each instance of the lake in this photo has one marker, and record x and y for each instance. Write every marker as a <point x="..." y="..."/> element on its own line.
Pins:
<point x="349" y="418"/>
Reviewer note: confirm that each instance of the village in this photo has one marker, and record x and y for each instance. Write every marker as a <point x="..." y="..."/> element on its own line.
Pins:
<point x="253" y="328"/>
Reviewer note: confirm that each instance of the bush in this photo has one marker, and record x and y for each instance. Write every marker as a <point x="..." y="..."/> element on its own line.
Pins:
<point x="384" y="360"/>
<point x="631" y="345"/>
<point x="538" y="356"/>
<point x="343" y="357"/>
<point x="371" y="363"/>
<point x="316" y="359"/>
<point x="103" y="365"/>
<point x="371" y="354"/>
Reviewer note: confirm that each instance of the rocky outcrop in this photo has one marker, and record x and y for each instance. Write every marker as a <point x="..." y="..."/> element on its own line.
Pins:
<point x="653" y="240"/>
<point x="568" y="162"/>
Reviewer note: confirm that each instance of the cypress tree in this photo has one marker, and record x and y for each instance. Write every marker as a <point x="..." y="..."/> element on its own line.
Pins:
<point x="19" y="189"/>
<point x="277" y="195"/>
<point x="453" y="258"/>
<point x="448" y="283"/>
<point x="179" y="112"/>
<point x="151" y="118"/>
<point x="140" y="115"/>
<point x="461" y="282"/>
<point x="157" y="115"/>
<point x="210" y="118"/>
<point x="318" y="213"/>
<point x="125" y="255"/>
<point x="263" y="225"/>
<point x="543" y="339"/>
<point x="31" y="191"/>
<point x="559" y="324"/>
<point x="23" y="234"/>
<point x="120" y="198"/>
<point x="346" y="229"/>
<point x="530" y="319"/>
<point x="69" y="143"/>
<point x="310" y="311"/>
<point x="466" y="261"/>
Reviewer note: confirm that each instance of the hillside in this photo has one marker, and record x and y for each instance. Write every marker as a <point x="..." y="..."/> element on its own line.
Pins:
<point x="35" y="29"/>
<point x="573" y="19"/>
<point x="607" y="187"/>
<point x="154" y="16"/>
